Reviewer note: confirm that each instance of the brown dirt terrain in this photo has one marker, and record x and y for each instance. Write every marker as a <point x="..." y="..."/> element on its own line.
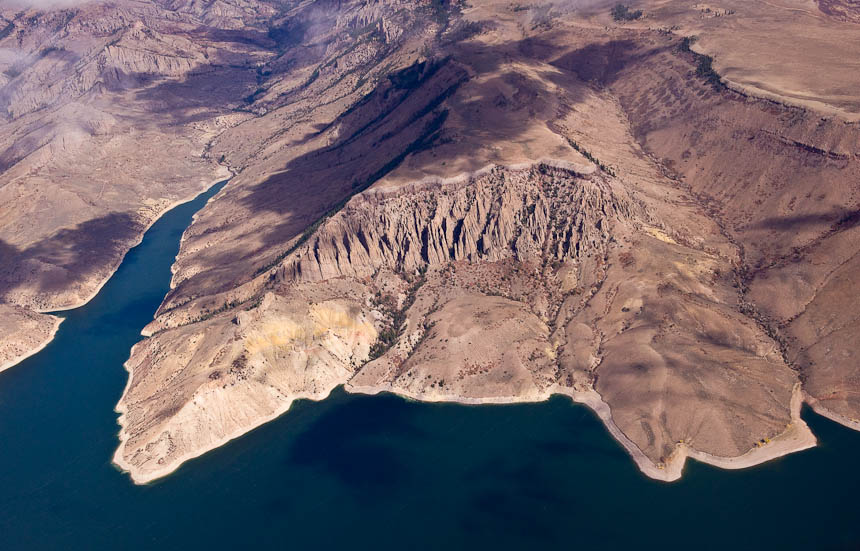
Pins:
<point x="793" y="220"/>
<point x="557" y="256"/>
<point x="89" y="97"/>
<point x="791" y="51"/>
<point x="496" y="203"/>
<point x="23" y="333"/>
<point x="575" y="210"/>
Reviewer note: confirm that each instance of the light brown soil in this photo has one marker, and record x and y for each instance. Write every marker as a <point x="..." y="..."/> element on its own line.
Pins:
<point x="559" y="206"/>
<point x="483" y="203"/>
<point x="23" y="333"/>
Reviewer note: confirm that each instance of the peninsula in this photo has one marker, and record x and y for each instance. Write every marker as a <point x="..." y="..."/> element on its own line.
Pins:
<point x="650" y="208"/>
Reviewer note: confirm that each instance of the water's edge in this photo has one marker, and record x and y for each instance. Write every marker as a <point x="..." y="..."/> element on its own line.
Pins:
<point x="57" y="313"/>
<point x="364" y="471"/>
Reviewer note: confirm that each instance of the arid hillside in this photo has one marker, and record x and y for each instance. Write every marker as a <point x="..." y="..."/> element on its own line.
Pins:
<point x="532" y="201"/>
<point x="110" y="109"/>
<point x="90" y="97"/>
<point x="651" y="210"/>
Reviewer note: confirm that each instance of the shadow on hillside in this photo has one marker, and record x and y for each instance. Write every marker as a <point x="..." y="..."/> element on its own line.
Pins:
<point x="406" y="113"/>
<point x="55" y="263"/>
<point x="601" y="63"/>
<point x="836" y="219"/>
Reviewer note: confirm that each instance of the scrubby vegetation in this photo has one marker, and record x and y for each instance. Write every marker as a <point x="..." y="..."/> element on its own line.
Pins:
<point x="410" y="77"/>
<point x="7" y="30"/>
<point x="622" y="12"/>
<point x="288" y="34"/>
<point x="685" y="44"/>
<point x="542" y="16"/>
<point x="587" y="154"/>
<point x="209" y="314"/>
<point x="251" y="98"/>
<point x="704" y="64"/>
<point x="464" y="30"/>
<point x="443" y="11"/>
<point x="705" y="70"/>
<point x="396" y="316"/>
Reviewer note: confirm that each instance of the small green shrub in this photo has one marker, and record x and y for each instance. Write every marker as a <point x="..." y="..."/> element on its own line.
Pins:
<point x="622" y="12"/>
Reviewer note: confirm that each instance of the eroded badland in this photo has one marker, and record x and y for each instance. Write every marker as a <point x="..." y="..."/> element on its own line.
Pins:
<point x="482" y="202"/>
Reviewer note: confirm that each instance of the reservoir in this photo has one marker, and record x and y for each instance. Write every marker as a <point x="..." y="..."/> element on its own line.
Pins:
<point x="373" y="472"/>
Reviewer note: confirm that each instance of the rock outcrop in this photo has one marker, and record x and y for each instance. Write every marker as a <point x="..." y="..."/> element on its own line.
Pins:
<point x="507" y="285"/>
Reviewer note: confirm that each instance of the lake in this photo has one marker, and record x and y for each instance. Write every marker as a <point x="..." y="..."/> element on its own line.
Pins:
<point x="373" y="472"/>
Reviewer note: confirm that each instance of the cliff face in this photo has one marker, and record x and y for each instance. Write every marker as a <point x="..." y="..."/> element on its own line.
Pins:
<point x="527" y="216"/>
<point x="372" y="282"/>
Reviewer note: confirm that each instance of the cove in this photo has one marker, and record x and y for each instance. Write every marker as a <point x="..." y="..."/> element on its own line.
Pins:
<point x="372" y="472"/>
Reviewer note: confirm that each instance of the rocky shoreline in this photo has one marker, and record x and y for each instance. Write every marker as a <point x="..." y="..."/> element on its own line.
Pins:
<point x="36" y="347"/>
<point x="23" y="350"/>
<point x="797" y="437"/>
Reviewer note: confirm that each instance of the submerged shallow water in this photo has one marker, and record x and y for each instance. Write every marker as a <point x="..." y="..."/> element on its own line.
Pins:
<point x="373" y="471"/>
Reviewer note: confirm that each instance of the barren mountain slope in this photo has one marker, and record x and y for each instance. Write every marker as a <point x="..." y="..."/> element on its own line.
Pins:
<point x="557" y="204"/>
<point x="107" y="112"/>
<point x="484" y="202"/>
<point x="785" y="185"/>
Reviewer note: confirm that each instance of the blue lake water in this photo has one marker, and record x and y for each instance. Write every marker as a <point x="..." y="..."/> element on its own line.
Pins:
<point x="373" y="472"/>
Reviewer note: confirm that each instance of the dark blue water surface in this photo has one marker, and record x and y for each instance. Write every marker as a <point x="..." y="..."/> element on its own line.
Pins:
<point x="362" y="472"/>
